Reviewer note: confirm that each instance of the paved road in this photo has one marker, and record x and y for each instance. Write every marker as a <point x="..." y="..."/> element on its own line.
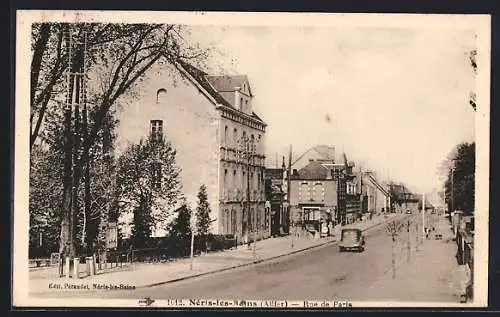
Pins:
<point x="318" y="274"/>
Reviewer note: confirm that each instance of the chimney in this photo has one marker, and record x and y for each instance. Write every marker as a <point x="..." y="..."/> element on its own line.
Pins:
<point x="329" y="174"/>
<point x="237" y="98"/>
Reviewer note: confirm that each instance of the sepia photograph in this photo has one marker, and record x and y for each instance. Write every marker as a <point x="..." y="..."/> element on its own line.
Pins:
<point x="251" y="160"/>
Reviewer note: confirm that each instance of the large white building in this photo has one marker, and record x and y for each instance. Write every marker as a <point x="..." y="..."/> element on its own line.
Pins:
<point x="206" y="118"/>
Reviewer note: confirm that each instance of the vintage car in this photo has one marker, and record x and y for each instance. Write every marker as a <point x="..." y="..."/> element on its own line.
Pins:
<point x="351" y="239"/>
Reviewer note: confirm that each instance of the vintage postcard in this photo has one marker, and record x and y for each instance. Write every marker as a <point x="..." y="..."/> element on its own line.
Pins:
<point x="251" y="160"/>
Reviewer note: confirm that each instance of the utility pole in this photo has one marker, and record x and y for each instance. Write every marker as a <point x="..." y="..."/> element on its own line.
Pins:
<point x="288" y="192"/>
<point x="75" y="126"/>
<point x="408" y="249"/>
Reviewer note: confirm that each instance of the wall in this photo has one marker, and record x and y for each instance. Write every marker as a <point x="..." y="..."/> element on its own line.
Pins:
<point x="190" y="122"/>
<point x="328" y="187"/>
<point x="233" y="178"/>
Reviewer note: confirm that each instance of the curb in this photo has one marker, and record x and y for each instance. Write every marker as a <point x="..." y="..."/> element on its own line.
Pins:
<point x="250" y="262"/>
<point x="236" y="266"/>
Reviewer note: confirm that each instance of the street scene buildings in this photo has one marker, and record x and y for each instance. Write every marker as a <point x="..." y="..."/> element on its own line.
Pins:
<point x="160" y="169"/>
<point x="221" y="147"/>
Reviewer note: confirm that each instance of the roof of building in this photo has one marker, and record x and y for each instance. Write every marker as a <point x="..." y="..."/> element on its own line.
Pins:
<point x="312" y="171"/>
<point x="377" y="184"/>
<point x="325" y="152"/>
<point x="211" y="84"/>
<point x="228" y="83"/>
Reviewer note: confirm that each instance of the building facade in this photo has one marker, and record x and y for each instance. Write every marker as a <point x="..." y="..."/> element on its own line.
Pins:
<point x="313" y="196"/>
<point x="218" y="138"/>
<point x="376" y="198"/>
<point x="319" y="153"/>
<point x="275" y="180"/>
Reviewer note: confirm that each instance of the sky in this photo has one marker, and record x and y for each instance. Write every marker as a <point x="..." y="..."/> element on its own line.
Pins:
<point x="395" y="100"/>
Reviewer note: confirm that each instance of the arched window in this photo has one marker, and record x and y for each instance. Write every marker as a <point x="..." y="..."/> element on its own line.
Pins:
<point x="160" y="95"/>
<point x="235" y="136"/>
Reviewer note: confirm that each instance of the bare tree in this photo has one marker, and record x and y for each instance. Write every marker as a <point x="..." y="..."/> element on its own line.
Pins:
<point x="116" y="58"/>
<point x="394" y="229"/>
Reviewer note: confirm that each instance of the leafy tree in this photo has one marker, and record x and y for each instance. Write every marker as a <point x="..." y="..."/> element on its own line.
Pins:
<point x="45" y="209"/>
<point x="203" y="212"/>
<point x="180" y="228"/>
<point x="460" y="181"/>
<point x="180" y="232"/>
<point x="116" y="59"/>
<point x="148" y="185"/>
<point x="398" y="193"/>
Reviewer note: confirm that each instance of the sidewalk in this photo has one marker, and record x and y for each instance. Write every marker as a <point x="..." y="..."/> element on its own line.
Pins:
<point x="141" y="275"/>
<point x="428" y="277"/>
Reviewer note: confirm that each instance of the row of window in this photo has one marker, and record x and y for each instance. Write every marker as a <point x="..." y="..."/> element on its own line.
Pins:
<point x="258" y="221"/>
<point x="351" y="189"/>
<point x="256" y="179"/>
<point x="241" y="142"/>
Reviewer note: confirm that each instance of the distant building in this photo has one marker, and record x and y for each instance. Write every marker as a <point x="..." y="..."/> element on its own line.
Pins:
<point x="325" y="191"/>
<point x="319" y="153"/>
<point x="206" y="118"/>
<point x="313" y="196"/>
<point x="376" y="197"/>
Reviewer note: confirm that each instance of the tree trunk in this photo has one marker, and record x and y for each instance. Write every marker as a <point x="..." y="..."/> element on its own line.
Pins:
<point x="88" y="239"/>
<point x="66" y="242"/>
<point x="38" y="52"/>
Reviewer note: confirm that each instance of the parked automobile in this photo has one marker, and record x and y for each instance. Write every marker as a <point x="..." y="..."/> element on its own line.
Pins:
<point x="351" y="239"/>
<point x="408" y="211"/>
